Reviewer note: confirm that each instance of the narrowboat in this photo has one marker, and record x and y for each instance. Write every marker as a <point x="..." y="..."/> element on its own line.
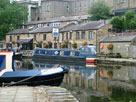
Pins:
<point x="86" y="55"/>
<point x="9" y="76"/>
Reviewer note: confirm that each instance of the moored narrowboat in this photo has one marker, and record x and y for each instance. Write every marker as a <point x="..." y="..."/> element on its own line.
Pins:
<point x="9" y="76"/>
<point x="83" y="55"/>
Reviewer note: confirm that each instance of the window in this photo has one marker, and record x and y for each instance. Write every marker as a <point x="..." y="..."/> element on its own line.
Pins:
<point x="83" y="35"/>
<point x="85" y="5"/>
<point x="44" y="37"/>
<point x="70" y="35"/>
<point x="118" y="1"/>
<point x="34" y="37"/>
<point x="48" y="7"/>
<point x="77" y="35"/>
<point x="67" y="7"/>
<point x="91" y="35"/>
<point x="18" y="37"/>
<point x="57" y="24"/>
<point x="40" y="10"/>
<point x="75" y="7"/>
<point x="80" y="6"/>
<point x="10" y="38"/>
<point x="123" y="1"/>
<point x="67" y="36"/>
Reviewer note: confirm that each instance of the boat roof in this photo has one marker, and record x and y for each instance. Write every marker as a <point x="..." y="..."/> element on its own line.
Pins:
<point x="31" y="73"/>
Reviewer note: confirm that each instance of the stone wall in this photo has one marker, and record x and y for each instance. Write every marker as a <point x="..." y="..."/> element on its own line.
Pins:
<point x="132" y="51"/>
<point x="119" y="47"/>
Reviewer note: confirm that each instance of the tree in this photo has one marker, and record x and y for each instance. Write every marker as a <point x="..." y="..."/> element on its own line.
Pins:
<point x="130" y="19"/>
<point x="127" y="22"/>
<point x="11" y="16"/>
<point x="74" y="45"/>
<point x="99" y="10"/>
<point x="117" y="23"/>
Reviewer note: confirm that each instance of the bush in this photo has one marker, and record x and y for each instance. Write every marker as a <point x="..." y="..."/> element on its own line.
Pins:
<point x="84" y="43"/>
<point x="110" y="46"/>
<point x="63" y="45"/>
<point x="74" y="45"/>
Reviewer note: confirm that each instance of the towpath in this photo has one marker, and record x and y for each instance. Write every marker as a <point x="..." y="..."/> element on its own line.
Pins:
<point x="35" y="94"/>
<point x="121" y="61"/>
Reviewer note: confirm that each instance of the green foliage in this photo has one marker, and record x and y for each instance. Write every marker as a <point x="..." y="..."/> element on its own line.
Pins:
<point x="117" y="23"/>
<point x="74" y="45"/>
<point x="99" y="10"/>
<point x="122" y="95"/>
<point x="11" y="16"/>
<point x="127" y="22"/>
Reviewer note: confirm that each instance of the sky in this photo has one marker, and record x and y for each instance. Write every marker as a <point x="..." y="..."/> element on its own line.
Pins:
<point x="31" y="0"/>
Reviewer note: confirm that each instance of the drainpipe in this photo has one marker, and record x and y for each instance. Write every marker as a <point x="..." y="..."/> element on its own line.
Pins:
<point x="128" y="4"/>
<point x="96" y="40"/>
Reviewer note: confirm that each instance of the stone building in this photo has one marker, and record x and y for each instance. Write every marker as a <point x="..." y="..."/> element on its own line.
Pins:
<point x="56" y="22"/>
<point x="119" y="7"/>
<point x="90" y="33"/>
<point x="58" y="8"/>
<point x="124" y="45"/>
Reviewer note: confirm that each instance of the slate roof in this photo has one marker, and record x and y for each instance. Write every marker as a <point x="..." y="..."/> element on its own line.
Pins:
<point x="19" y="31"/>
<point x="117" y="39"/>
<point x="68" y="28"/>
<point x="93" y="25"/>
<point x="42" y="30"/>
<point x="25" y="40"/>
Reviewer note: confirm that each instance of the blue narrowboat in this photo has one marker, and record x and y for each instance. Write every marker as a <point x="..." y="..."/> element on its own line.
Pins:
<point x="86" y="54"/>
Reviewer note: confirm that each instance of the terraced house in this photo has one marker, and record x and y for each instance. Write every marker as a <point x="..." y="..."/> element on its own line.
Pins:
<point x="89" y="33"/>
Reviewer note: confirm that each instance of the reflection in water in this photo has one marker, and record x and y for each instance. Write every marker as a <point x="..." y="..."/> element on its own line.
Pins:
<point x="94" y="84"/>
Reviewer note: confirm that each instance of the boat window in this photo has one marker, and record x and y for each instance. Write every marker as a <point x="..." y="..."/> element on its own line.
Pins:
<point x="82" y="49"/>
<point x="62" y="53"/>
<point x="2" y="62"/>
<point x="92" y="50"/>
<point x="72" y="53"/>
<point x="56" y="52"/>
<point x="42" y="66"/>
<point x="38" y="51"/>
<point x="67" y="53"/>
<point x="77" y="53"/>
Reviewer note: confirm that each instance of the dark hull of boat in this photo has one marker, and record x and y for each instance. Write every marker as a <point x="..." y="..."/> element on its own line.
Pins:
<point x="60" y="59"/>
<point x="17" y="56"/>
<point x="50" y="80"/>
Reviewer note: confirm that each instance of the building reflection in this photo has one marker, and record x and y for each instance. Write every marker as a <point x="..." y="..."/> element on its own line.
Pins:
<point x="117" y="82"/>
<point x="80" y="76"/>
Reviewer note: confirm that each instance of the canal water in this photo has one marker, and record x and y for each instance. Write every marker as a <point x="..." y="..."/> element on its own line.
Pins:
<point x="101" y="83"/>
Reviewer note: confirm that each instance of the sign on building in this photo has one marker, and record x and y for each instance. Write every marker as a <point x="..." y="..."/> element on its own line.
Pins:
<point x="55" y="32"/>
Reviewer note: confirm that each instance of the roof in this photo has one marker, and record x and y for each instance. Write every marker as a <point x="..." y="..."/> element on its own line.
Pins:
<point x="68" y="28"/>
<point x="25" y="40"/>
<point x="60" y="19"/>
<point x="117" y="39"/>
<point x="93" y="25"/>
<point x="42" y="30"/>
<point x="19" y="31"/>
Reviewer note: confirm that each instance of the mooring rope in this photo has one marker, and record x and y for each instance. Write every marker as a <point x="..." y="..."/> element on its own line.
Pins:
<point x="13" y="83"/>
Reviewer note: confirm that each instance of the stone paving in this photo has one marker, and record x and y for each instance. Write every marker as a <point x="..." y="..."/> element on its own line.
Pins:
<point x="35" y="94"/>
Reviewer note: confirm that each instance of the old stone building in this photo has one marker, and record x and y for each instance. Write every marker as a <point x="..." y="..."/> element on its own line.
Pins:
<point x="125" y="45"/>
<point x="58" y="8"/>
<point x="89" y="33"/>
<point x="119" y="7"/>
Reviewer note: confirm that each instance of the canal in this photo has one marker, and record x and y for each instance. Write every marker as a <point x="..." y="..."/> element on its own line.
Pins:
<point x="101" y="83"/>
